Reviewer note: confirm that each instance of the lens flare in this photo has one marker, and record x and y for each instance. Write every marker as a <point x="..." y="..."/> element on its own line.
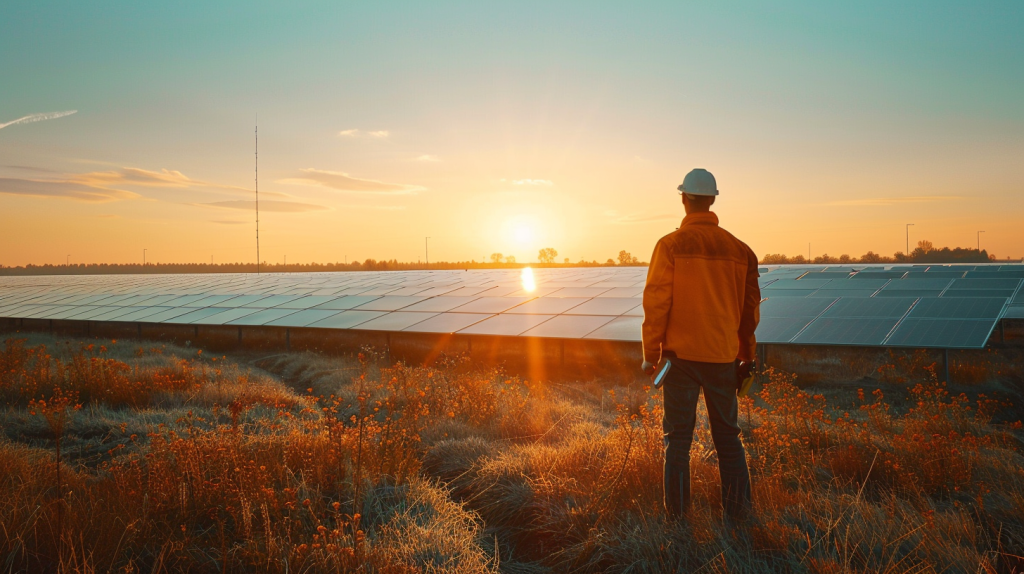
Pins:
<point x="528" y="283"/>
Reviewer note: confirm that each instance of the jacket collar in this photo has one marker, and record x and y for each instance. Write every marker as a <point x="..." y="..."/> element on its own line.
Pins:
<point x="701" y="218"/>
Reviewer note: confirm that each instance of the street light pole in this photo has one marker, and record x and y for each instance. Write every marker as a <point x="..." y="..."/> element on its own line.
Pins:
<point x="426" y="250"/>
<point x="979" y="241"/>
<point x="67" y="262"/>
<point x="908" y="239"/>
<point x="143" y="257"/>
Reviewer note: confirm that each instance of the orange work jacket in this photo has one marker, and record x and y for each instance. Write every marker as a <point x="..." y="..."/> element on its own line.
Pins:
<point x="701" y="299"/>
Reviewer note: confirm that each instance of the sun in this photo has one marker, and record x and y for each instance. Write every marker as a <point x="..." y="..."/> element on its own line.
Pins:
<point x="523" y="234"/>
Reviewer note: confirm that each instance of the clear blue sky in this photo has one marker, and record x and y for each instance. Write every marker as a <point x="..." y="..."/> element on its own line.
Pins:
<point x="505" y="128"/>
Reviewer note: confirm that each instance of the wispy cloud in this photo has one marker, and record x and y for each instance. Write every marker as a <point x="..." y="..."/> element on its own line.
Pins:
<point x="32" y="169"/>
<point x="227" y="222"/>
<point x="428" y="157"/>
<point x="169" y="178"/>
<point x="122" y="183"/>
<point x="344" y="182"/>
<point x="38" y="118"/>
<point x="63" y="188"/>
<point x="884" y="201"/>
<point x="354" y="133"/>
<point x="530" y="182"/>
<point x="280" y="206"/>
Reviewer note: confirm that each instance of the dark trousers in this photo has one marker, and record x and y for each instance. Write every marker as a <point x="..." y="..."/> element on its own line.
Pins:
<point x="683" y="384"/>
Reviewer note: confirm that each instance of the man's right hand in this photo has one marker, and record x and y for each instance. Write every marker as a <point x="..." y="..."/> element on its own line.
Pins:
<point x="648" y="368"/>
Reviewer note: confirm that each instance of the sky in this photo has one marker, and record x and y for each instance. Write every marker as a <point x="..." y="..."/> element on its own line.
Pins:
<point x="503" y="127"/>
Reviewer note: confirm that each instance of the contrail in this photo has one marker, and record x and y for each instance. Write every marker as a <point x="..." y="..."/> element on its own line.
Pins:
<point x="38" y="118"/>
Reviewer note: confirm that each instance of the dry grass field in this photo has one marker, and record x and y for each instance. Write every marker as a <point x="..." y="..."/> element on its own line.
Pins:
<point x="126" y="456"/>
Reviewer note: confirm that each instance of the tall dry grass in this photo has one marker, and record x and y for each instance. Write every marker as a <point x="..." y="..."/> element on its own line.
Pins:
<point x="176" y="461"/>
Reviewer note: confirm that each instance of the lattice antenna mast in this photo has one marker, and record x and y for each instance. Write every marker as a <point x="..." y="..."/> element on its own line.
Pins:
<point x="257" y="133"/>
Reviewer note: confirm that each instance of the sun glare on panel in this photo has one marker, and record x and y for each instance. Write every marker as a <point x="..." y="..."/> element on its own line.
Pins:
<point x="528" y="283"/>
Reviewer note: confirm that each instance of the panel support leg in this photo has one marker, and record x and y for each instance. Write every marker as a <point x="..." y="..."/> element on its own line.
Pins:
<point x="945" y="365"/>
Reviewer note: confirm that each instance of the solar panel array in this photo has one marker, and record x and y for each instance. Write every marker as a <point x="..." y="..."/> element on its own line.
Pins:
<point x="936" y="306"/>
<point x="945" y="306"/>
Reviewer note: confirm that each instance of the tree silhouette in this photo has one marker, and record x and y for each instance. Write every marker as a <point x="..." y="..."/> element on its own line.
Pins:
<point x="625" y="258"/>
<point x="547" y="255"/>
<point x="497" y="257"/>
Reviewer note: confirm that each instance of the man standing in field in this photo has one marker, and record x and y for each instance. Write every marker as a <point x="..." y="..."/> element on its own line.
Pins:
<point x="700" y="311"/>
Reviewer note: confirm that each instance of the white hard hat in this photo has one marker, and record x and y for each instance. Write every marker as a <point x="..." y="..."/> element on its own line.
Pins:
<point x="699" y="182"/>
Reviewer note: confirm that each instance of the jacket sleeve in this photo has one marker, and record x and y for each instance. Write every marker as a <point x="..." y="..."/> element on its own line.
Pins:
<point x="751" y="312"/>
<point x="657" y="301"/>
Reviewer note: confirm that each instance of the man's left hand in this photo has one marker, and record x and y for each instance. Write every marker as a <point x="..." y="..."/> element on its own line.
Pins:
<point x="648" y="368"/>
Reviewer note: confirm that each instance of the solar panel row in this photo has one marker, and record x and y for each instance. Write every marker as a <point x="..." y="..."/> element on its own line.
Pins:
<point x="931" y="306"/>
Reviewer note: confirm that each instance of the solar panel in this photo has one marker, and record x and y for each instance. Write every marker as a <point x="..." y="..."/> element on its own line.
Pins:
<point x="390" y="303"/>
<point x="1019" y="297"/>
<point x="578" y="292"/>
<point x="918" y="284"/>
<point x="306" y="302"/>
<point x="347" y="319"/>
<point x="160" y="317"/>
<point x="548" y="305"/>
<point x="508" y="325"/>
<point x="634" y="292"/>
<point x="969" y="283"/>
<point x="152" y="301"/>
<point x="788" y="307"/>
<point x="998" y="293"/>
<point x="114" y="314"/>
<point x="847" y="331"/>
<point x="67" y="313"/>
<point x="447" y="322"/>
<point x="809" y="284"/>
<point x="491" y="304"/>
<point x="874" y="307"/>
<point x="618" y="329"/>
<point x="780" y="329"/>
<point x="878" y="275"/>
<point x="828" y="275"/>
<point x="958" y="308"/>
<point x="1014" y="312"/>
<point x="262" y="317"/>
<point x="899" y="293"/>
<point x="183" y="300"/>
<point x="855" y="284"/>
<point x="833" y="293"/>
<point x="568" y="326"/>
<point x="210" y="300"/>
<point x="943" y="274"/>
<point x="947" y="333"/>
<point x="275" y="300"/>
<point x="227" y="315"/>
<point x="613" y="306"/>
<point x="195" y="315"/>
<point x="1017" y="273"/>
<point x="103" y="310"/>
<point x="396" y="321"/>
<point x="786" y="292"/>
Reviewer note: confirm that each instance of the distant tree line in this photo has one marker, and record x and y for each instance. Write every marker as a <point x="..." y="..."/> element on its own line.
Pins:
<point x="925" y="252"/>
<point x="546" y="257"/>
